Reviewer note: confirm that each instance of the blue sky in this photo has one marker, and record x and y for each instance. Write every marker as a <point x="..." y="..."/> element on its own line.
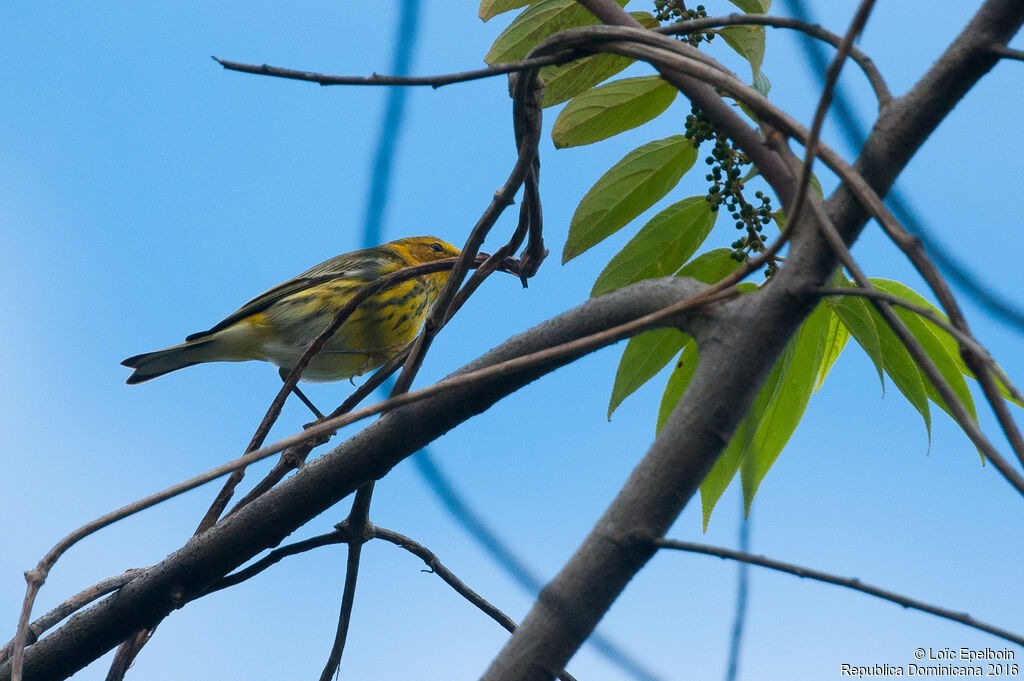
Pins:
<point x="147" y="193"/>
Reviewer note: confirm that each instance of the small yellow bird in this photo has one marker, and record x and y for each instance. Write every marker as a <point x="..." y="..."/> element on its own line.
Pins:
<point x="278" y="325"/>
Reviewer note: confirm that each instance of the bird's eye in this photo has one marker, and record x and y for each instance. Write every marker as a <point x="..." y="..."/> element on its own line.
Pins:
<point x="437" y="247"/>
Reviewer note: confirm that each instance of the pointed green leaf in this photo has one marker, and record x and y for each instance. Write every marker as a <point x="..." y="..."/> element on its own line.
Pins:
<point x="564" y="82"/>
<point x="835" y="341"/>
<point x="645" y="355"/>
<point x="711" y="267"/>
<point x="492" y="8"/>
<point x="901" y="368"/>
<point x="629" y="188"/>
<point x="781" y="411"/>
<point x="535" y="23"/>
<point x="683" y="372"/>
<point x="753" y="6"/>
<point x="610" y="109"/>
<point x="681" y="376"/>
<point x="942" y="355"/>
<point x="721" y="474"/>
<point x="773" y="417"/>
<point x="816" y="186"/>
<point x="748" y="41"/>
<point x="855" y="316"/>
<point x="950" y="343"/>
<point x="660" y="247"/>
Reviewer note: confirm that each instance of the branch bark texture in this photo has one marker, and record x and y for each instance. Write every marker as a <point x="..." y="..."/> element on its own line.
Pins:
<point x="735" y="357"/>
<point x="188" y="573"/>
<point x="738" y="344"/>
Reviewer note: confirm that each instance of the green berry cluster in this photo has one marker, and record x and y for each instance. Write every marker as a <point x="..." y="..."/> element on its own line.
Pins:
<point x="675" y="10"/>
<point x="727" y="180"/>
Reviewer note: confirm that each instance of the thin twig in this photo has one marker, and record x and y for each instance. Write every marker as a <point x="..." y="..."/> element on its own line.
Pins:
<point x="371" y="384"/>
<point x="276" y="556"/>
<point x="126" y="653"/>
<point x="345" y="617"/>
<point x="343" y="313"/>
<point x="849" y="583"/>
<point x="76" y="602"/>
<point x="1007" y="52"/>
<point x="865" y="63"/>
<point x="682" y="28"/>
<point x="377" y="79"/>
<point x="831" y="78"/>
<point x="291" y="459"/>
<point x="460" y="587"/>
<point x="342" y="535"/>
<point x="526" y="114"/>
<point x="358" y="528"/>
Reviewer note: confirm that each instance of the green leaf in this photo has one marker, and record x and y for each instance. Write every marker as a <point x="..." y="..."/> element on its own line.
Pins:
<point x="564" y="82"/>
<point x="856" y="317"/>
<point x="781" y="411"/>
<point x="753" y="6"/>
<point x="816" y="186"/>
<point x="943" y="355"/>
<point x="721" y="474"/>
<point x="748" y="41"/>
<point x="950" y="343"/>
<point x="535" y="23"/>
<point x="711" y="267"/>
<point x="629" y="188"/>
<point x="901" y="368"/>
<point x="645" y="355"/>
<point x="610" y="109"/>
<point x="492" y="8"/>
<point x="762" y="84"/>
<point x="660" y="247"/>
<point x="681" y="376"/>
<point x="835" y="341"/>
<point x="772" y="418"/>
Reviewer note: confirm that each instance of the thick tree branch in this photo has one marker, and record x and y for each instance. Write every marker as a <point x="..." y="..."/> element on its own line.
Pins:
<point x="370" y="454"/>
<point x="727" y="378"/>
<point x="70" y="606"/>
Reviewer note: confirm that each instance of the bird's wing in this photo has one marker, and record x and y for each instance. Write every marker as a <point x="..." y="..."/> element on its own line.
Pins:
<point x="353" y="265"/>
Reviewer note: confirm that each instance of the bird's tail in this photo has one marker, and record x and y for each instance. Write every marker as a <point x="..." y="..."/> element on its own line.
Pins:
<point x="152" y="364"/>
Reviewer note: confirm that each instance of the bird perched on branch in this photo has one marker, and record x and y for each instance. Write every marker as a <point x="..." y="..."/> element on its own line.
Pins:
<point x="277" y="326"/>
